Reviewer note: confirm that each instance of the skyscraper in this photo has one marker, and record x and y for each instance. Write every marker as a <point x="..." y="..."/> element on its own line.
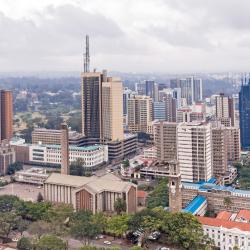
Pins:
<point x="112" y="110"/>
<point x="91" y="104"/>
<point x="6" y="115"/>
<point x="139" y="113"/>
<point x="194" y="151"/>
<point x="224" y="110"/>
<point x="244" y="110"/>
<point x="165" y="141"/>
<point x="152" y="90"/>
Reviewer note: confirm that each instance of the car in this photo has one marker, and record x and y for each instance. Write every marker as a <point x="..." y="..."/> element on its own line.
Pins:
<point x="107" y="242"/>
<point x="15" y="239"/>
<point x="100" y="236"/>
<point x="154" y="235"/>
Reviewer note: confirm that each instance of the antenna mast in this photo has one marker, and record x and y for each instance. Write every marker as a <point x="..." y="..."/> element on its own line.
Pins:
<point x="86" y="55"/>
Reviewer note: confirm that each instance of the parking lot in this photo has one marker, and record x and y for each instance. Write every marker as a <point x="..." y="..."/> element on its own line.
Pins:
<point x="23" y="191"/>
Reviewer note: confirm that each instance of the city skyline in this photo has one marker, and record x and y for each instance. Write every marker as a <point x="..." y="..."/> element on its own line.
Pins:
<point x="150" y="36"/>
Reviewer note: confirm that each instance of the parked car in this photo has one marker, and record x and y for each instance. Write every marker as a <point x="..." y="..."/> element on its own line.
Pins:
<point x="107" y="242"/>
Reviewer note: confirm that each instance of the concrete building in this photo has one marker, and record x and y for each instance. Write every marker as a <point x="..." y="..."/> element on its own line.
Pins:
<point x="127" y="94"/>
<point x="152" y="90"/>
<point x="171" y="108"/>
<point x="65" y="149"/>
<point x="159" y="111"/>
<point x="194" y="151"/>
<point x="33" y="175"/>
<point x="112" y="110"/>
<point x="140" y="88"/>
<point x="92" y="156"/>
<point x="6" y="115"/>
<point x="225" y="148"/>
<point x="7" y="156"/>
<point x="165" y="140"/>
<point x="139" y="113"/>
<point x="91" y="104"/>
<point x="224" y="110"/>
<point x="53" y="136"/>
<point x="97" y="194"/>
<point x="228" y="230"/>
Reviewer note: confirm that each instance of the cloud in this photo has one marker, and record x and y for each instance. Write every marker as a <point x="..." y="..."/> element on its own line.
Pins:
<point x="126" y="35"/>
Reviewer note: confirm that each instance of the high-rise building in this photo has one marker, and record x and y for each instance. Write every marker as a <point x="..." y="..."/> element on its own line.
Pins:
<point x="165" y="140"/>
<point x="194" y="151"/>
<point x="152" y="90"/>
<point x="112" y="110"/>
<point x="224" y="110"/>
<point x="191" y="88"/>
<point x="219" y="147"/>
<point x="6" y="115"/>
<point x="171" y="108"/>
<point x="127" y="94"/>
<point x="65" y="149"/>
<point x="244" y="111"/>
<point x="91" y="104"/>
<point x="140" y="88"/>
<point x="139" y="113"/>
<point x="159" y="111"/>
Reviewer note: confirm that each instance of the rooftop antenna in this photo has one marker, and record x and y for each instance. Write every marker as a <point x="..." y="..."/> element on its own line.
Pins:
<point x="86" y="55"/>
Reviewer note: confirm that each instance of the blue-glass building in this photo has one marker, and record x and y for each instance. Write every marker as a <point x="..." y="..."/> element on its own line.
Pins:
<point x="244" y="110"/>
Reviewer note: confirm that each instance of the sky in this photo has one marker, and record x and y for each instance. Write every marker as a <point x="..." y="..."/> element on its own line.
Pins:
<point x="144" y="36"/>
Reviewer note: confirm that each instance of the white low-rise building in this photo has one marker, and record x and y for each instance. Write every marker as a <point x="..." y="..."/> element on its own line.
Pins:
<point x="92" y="156"/>
<point x="227" y="231"/>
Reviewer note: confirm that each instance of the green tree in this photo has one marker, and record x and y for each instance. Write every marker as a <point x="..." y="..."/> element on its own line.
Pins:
<point x="120" y="205"/>
<point x="159" y="196"/>
<point x="118" y="225"/>
<point x="24" y="244"/>
<point x="12" y="168"/>
<point x="135" y="248"/>
<point x="51" y="242"/>
<point x="22" y="225"/>
<point x="39" y="228"/>
<point x="101" y="220"/>
<point x="8" y="203"/>
<point x="8" y="222"/>
<point x="183" y="229"/>
<point x="125" y="163"/>
<point x="83" y="226"/>
<point x="77" y="167"/>
<point x="39" y="197"/>
<point x="59" y="216"/>
<point x="32" y="211"/>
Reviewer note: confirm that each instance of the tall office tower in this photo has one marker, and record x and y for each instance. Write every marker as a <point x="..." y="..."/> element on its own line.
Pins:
<point x="244" y="111"/>
<point x="6" y="115"/>
<point x="191" y="89"/>
<point x="194" y="151"/>
<point x="233" y="144"/>
<point x="91" y="104"/>
<point x="159" y="111"/>
<point x="225" y="147"/>
<point x="65" y="149"/>
<point x="152" y="90"/>
<point x="171" y="108"/>
<point x="112" y="118"/>
<point x="187" y="90"/>
<point x="197" y="89"/>
<point x="174" y="185"/>
<point x="139" y="113"/>
<point x="165" y="140"/>
<point x="219" y="149"/>
<point x="224" y="110"/>
<point x="175" y="83"/>
<point x="177" y="96"/>
<point x="140" y="88"/>
<point x="127" y="94"/>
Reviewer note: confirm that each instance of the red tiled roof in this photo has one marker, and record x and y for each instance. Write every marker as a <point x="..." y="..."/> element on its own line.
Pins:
<point x="223" y="223"/>
<point x="141" y="194"/>
<point x="243" y="214"/>
<point x="224" y="215"/>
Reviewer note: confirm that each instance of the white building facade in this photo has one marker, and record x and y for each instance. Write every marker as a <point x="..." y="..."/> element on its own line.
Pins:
<point x="194" y="151"/>
<point x="92" y="156"/>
